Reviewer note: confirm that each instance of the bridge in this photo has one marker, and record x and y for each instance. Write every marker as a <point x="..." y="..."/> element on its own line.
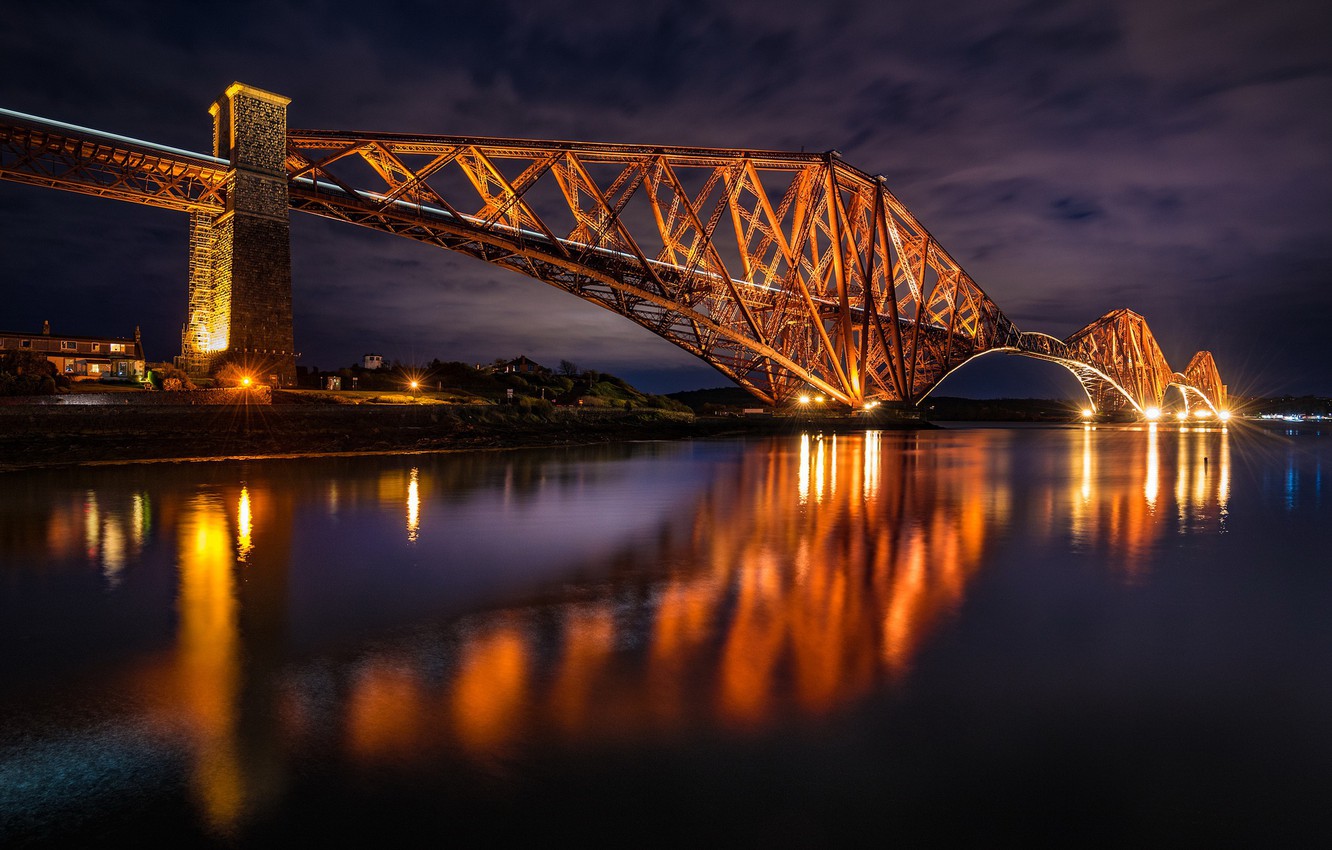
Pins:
<point x="787" y="272"/>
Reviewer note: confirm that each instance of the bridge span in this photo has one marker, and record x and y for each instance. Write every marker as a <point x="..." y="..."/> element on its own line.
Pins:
<point x="787" y="272"/>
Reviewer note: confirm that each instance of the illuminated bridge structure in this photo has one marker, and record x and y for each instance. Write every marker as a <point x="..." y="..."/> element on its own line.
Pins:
<point x="790" y="273"/>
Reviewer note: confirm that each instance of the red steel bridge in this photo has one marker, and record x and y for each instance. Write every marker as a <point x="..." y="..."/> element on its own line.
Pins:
<point x="790" y="273"/>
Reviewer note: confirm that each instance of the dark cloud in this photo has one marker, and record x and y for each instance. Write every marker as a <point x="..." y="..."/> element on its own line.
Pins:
<point x="1075" y="157"/>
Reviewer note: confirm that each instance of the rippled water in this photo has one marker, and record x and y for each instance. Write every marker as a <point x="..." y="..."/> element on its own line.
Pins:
<point x="1097" y="634"/>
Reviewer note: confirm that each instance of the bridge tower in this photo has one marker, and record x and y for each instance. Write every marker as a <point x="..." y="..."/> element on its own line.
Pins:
<point x="240" y="259"/>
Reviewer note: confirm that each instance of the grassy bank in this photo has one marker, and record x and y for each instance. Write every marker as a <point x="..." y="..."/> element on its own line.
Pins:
<point x="32" y="436"/>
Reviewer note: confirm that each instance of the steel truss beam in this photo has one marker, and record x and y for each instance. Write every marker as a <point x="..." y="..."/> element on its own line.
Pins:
<point x="60" y="156"/>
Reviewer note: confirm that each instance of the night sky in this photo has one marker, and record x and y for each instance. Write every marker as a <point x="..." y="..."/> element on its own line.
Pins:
<point x="1170" y="157"/>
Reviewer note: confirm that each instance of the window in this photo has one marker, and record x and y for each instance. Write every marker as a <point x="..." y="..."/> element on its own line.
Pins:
<point x="97" y="346"/>
<point x="25" y="343"/>
<point x="68" y="345"/>
<point x="94" y="368"/>
<point x="117" y="347"/>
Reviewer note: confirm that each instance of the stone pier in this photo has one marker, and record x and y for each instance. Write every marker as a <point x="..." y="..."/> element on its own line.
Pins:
<point x="240" y="260"/>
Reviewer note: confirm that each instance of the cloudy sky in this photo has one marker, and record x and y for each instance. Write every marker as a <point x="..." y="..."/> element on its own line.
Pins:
<point x="1171" y="157"/>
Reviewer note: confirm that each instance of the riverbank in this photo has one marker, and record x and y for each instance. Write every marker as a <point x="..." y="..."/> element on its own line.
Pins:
<point x="60" y="435"/>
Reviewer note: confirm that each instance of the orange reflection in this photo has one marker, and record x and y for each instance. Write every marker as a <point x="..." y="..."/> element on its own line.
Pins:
<point x="576" y="698"/>
<point x="413" y="505"/>
<point x="1121" y="502"/>
<point x="788" y="596"/>
<point x="786" y="599"/>
<point x="386" y="713"/>
<point x="1202" y="486"/>
<point x="243" y="523"/>
<point x="208" y="666"/>
<point x="491" y="688"/>
<point x="1152" y="483"/>
<point x="1223" y="479"/>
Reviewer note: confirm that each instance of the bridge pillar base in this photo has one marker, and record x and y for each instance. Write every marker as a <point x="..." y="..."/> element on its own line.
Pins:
<point x="240" y="260"/>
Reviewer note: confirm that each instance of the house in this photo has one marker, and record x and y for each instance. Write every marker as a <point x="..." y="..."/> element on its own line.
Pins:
<point x="522" y="366"/>
<point x="82" y="356"/>
<point x="372" y="361"/>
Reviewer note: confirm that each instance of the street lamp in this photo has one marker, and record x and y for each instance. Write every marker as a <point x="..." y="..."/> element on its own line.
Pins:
<point x="415" y="385"/>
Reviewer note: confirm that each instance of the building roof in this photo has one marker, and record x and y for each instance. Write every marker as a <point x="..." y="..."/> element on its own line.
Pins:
<point x="76" y="337"/>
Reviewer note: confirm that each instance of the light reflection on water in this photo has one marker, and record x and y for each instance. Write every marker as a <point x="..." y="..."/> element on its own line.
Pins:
<point x="612" y="597"/>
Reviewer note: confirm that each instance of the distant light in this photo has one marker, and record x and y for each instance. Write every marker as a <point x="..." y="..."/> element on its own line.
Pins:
<point x="1182" y="415"/>
<point x="1224" y="416"/>
<point x="871" y="405"/>
<point x="819" y="399"/>
<point x="245" y="381"/>
<point x="1086" y="413"/>
<point x="1153" y="413"/>
<point x="804" y="399"/>
<point x="415" y="384"/>
<point x="1202" y="413"/>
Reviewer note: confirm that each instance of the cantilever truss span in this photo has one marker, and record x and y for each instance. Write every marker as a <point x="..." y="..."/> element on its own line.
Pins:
<point x="784" y="271"/>
<point x="1119" y="363"/>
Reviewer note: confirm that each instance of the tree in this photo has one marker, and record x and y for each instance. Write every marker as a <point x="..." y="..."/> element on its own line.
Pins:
<point x="26" y="373"/>
<point x="169" y="378"/>
<point x="231" y="375"/>
<point x="568" y="369"/>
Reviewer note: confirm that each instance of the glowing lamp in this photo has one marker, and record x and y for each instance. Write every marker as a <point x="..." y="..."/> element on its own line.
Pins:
<point x="1202" y="413"/>
<point x="415" y="385"/>
<point x="1224" y="416"/>
<point x="245" y="381"/>
<point x="1153" y="413"/>
<point x="804" y="399"/>
<point x="819" y="399"/>
<point x="1086" y="413"/>
<point x="1181" y="416"/>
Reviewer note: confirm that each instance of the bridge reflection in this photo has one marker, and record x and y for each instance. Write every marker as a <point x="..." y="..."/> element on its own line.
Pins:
<point x="787" y="579"/>
<point x="1124" y="496"/>
<point x="796" y="583"/>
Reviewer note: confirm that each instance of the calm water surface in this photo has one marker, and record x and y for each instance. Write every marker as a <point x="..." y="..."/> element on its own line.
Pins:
<point x="1097" y="634"/>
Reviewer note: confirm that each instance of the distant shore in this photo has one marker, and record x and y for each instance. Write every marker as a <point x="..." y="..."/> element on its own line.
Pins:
<point x="48" y="435"/>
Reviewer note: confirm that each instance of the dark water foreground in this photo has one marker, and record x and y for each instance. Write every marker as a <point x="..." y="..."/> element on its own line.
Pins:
<point x="1096" y="636"/>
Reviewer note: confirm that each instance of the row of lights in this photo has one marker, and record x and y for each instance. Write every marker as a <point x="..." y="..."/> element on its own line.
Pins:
<point x="1154" y="413"/>
<point x="818" y="399"/>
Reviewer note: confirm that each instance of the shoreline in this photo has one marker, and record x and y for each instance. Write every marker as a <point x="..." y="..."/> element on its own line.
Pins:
<point x="55" y="436"/>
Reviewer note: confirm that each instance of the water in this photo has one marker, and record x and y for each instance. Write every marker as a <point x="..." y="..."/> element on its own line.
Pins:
<point x="1091" y="634"/>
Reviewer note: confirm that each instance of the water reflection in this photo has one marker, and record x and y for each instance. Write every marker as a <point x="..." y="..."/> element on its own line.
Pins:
<point x="583" y="598"/>
<point x="413" y="505"/>
<point x="1118" y="506"/>
<point x="784" y="599"/>
<point x="207" y="673"/>
<point x="244" y="523"/>
<point x="1153" y="482"/>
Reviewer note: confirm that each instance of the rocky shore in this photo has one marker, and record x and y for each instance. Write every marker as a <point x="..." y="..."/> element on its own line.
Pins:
<point x="60" y="435"/>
